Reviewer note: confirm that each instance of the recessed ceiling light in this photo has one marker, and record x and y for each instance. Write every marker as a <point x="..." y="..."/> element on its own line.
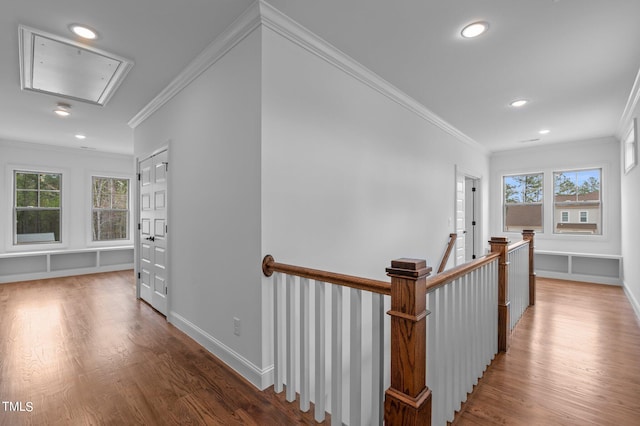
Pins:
<point x="83" y="31"/>
<point x="518" y="103"/>
<point x="63" y="110"/>
<point x="544" y="131"/>
<point x="474" y="29"/>
<point x="80" y="136"/>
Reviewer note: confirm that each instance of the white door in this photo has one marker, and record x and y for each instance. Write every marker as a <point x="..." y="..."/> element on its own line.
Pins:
<point x="152" y="251"/>
<point x="470" y="219"/>
<point x="460" y="219"/>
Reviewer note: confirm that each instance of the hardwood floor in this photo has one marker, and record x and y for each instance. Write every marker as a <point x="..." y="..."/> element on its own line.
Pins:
<point x="82" y="350"/>
<point x="574" y="360"/>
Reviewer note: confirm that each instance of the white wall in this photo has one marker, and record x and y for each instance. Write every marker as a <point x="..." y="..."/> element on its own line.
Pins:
<point x="630" y="188"/>
<point x="596" y="153"/>
<point x="212" y="128"/>
<point x="351" y="179"/>
<point x="77" y="167"/>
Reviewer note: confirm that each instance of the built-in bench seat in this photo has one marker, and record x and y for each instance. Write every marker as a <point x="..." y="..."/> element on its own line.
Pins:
<point x="21" y="266"/>
<point x="589" y="267"/>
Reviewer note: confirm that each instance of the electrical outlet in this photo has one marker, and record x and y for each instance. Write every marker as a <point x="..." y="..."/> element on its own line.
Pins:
<point x="236" y="326"/>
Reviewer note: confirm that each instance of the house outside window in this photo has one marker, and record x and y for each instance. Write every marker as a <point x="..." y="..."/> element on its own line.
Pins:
<point x="523" y="202"/>
<point x="110" y="209"/>
<point x="579" y="193"/>
<point x="37" y="207"/>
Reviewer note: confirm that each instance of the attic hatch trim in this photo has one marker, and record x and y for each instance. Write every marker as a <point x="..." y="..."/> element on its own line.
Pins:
<point x="26" y="50"/>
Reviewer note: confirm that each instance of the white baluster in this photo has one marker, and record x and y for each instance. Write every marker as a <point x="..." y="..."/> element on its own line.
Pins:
<point x="320" y="347"/>
<point x="291" y="348"/>
<point x="377" y="358"/>
<point x="304" y="346"/>
<point x="355" y="356"/>
<point x="442" y="356"/>
<point x="450" y="360"/>
<point x="277" y="334"/>
<point x="336" y="355"/>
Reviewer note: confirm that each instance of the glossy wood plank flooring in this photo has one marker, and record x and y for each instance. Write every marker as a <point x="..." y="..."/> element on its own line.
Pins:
<point x="574" y="360"/>
<point x="83" y="351"/>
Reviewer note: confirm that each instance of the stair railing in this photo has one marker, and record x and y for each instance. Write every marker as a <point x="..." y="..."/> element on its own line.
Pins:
<point x="469" y="322"/>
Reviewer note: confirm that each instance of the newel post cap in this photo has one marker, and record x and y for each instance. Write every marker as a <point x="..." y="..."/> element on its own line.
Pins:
<point x="528" y="233"/>
<point x="409" y="268"/>
<point x="499" y="240"/>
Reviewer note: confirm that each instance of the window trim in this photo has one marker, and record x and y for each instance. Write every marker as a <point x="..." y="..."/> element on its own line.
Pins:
<point x="504" y="204"/>
<point x="497" y="220"/>
<point x="89" y="175"/>
<point x="562" y="213"/>
<point x="604" y="177"/>
<point x="10" y="171"/>
<point x="586" y="216"/>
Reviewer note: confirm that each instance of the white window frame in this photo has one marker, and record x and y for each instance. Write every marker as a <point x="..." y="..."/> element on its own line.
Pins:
<point x="89" y="175"/>
<point x="128" y="210"/>
<point x="586" y="216"/>
<point x="543" y="200"/>
<point x="562" y="216"/>
<point x="604" y="179"/>
<point x="10" y="185"/>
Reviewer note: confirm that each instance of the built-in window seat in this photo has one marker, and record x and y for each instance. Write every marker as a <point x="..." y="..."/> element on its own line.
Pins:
<point x="595" y="268"/>
<point x="58" y="263"/>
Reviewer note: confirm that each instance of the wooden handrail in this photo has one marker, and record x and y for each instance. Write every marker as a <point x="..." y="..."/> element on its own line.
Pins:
<point x="269" y="266"/>
<point x="517" y="245"/>
<point x="453" y="273"/>
<point x="445" y="258"/>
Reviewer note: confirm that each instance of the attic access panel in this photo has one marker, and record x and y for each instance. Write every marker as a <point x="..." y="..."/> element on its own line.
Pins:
<point x="61" y="67"/>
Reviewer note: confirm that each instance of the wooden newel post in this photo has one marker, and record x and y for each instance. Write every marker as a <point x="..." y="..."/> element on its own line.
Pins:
<point x="408" y="400"/>
<point x="501" y="245"/>
<point x="528" y="235"/>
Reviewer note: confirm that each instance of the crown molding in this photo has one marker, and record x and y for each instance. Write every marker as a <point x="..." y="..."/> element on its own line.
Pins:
<point x="263" y="14"/>
<point x="630" y="107"/>
<point x="288" y="28"/>
<point x="235" y="33"/>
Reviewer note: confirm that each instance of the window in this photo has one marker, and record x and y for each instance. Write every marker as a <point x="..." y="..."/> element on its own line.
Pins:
<point x="584" y="217"/>
<point x="565" y="217"/>
<point x="37" y="209"/>
<point x="110" y="209"/>
<point x="578" y="191"/>
<point x="523" y="202"/>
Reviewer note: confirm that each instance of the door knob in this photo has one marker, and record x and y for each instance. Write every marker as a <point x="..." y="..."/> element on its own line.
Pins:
<point x="150" y="238"/>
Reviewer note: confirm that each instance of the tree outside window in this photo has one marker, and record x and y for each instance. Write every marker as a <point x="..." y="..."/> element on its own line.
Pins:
<point x="110" y="209"/>
<point x="578" y="193"/>
<point x="523" y="202"/>
<point x="37" y="209"/>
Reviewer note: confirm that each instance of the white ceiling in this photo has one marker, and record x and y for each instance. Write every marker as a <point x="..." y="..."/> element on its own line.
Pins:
<point x="575" y="60"/>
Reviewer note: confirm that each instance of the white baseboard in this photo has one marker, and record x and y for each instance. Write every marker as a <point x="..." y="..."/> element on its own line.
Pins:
<point x="634" y="302"/>
<point x="260" y="378"/>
